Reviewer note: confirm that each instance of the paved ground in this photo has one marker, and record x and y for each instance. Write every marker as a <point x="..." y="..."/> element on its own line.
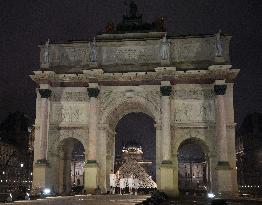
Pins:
<point x="200" y="201"/>
<point x="123" y="200"/>
<point x="86" y="200"/>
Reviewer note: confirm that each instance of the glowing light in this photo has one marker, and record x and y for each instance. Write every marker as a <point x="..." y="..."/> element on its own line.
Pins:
<point x="47" y="191"/>
<point x="210" y="195"/>
<point x="22" y="165"/>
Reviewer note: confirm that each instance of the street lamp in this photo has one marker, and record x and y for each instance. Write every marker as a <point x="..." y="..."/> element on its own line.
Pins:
<point x="22" y="165"/>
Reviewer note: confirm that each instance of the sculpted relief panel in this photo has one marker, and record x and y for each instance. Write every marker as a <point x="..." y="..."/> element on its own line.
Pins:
<point x="194" y="93"/>
<point x="69" y="96"/>
<point x="194" y="111"/>
<point x="70" y="113"/>
<point x="128" y="55"/>
<point x="69" y="55"/>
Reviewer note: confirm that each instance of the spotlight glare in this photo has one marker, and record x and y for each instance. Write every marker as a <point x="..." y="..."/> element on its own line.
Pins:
<point x="47" y="191"/>
<point x="210" y="195"/>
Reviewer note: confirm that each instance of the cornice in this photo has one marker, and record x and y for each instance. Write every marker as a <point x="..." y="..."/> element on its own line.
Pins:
<point x="160" y="74"/>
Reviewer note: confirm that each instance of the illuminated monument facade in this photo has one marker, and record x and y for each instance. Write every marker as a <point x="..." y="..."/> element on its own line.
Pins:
<point x="84" y="88"/>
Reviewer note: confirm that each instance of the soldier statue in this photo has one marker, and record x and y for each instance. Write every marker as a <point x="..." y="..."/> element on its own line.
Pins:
<point x="93" y="54"/>
<point x="219" y="44"/>
<point x="46" y="52"/>
<point x="165" y="49"/>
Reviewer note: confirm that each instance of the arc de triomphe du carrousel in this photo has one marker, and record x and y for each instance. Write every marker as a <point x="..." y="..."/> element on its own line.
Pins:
<point x="185" y="83"/>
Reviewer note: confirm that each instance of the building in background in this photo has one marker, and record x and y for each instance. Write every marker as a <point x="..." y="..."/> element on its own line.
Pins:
<point x="77" y="170"/>
<point x="192" y="174"/>
<point x="134" y="150"/>
<point x="16" y="152"/>
<point x="249" y="152"/>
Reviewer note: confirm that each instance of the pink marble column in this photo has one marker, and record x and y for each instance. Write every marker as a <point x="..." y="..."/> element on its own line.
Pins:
<point x="221" y="124"/>
<point x="165" y="122"/>
<point x="92" y="93"/>
<point x="45" y="94"/>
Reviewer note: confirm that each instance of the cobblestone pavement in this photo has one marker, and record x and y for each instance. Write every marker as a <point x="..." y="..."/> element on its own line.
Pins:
<point x="205" y="202"/>
<point x="86" y="200"/>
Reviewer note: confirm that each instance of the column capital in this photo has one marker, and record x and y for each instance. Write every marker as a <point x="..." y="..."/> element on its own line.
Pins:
<point x="93" y="92"/>
<point x="220" y="89"/>
<point x="158" y="126"/>
<point x="166" y="90"/>
<point x="45" y="93"/>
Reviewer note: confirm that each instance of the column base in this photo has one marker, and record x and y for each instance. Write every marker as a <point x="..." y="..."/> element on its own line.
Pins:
<point x="225" y="187"/>
<point x="168" y="180"/>
<point x="90" y="177"/>
<point x="40" y="171"/>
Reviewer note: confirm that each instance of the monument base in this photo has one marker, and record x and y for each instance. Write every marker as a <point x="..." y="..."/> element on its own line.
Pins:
<point x="40" y="170"/>
<point x="225" y="188"/>
<point x="90" y="177"/>
<point x="168" y="182"/>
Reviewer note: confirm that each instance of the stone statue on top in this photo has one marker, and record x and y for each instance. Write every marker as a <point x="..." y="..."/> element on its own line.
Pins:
<point x="165" y="49"/>
<point x="219" y="45"/>
<point x="93" y="54"/>
<point x="46" y="54"/>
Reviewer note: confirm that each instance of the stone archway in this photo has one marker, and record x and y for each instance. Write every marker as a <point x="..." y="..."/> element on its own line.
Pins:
<point x="193" y="166"/>
<point x="64" y="149"/>
<point x="202" y="138"/>
<point x="109" y="120"/>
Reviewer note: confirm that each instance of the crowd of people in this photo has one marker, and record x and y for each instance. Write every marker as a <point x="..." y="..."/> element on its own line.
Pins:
<point x="129" y="181"/>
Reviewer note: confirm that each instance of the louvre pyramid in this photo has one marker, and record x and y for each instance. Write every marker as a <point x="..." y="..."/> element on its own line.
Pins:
<point x="131" y="166"/>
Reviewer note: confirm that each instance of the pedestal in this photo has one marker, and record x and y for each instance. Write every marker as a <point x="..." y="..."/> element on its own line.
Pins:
<point x="40" y="178"/>
<point x="168" y="179"/>
<point x="165" y="62"/>
<point x="93" y="65"/>
<point x="219" y="59"/>
<point x="224" y="183"/>
<point x="90" y="177"/>
<point x="45" y="65"/>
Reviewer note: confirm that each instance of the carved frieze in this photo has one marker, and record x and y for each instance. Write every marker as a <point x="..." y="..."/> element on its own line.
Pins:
<point x="194" y="111"/>
<point x="194" y="93"/>
<point x="70" y="56"/>
<point x="69" y="96"/>
<point x="72" y="113"/>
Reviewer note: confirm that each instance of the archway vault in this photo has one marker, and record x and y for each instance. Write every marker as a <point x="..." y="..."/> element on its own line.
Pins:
<point x="121" y="107"/>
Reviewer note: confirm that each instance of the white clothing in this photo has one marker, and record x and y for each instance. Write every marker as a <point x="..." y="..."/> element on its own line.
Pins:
<point x="122" y="183"/>
<point x="136" y="183"/>
<point x="112" y="180"/>
<point x="130" y="182"/>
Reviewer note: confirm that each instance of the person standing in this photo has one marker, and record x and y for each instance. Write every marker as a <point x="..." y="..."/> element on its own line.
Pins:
<point x="130" y="182"/>
<point x="136" y="184"/>
<point x="112" y="180"/>
<point x="122" y="185"/>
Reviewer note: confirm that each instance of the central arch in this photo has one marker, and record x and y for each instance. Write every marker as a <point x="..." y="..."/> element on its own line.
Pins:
<point x="111" y="117"/>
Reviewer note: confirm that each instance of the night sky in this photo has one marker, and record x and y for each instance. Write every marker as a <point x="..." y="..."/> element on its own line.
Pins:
<point x="25" y="24"/>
